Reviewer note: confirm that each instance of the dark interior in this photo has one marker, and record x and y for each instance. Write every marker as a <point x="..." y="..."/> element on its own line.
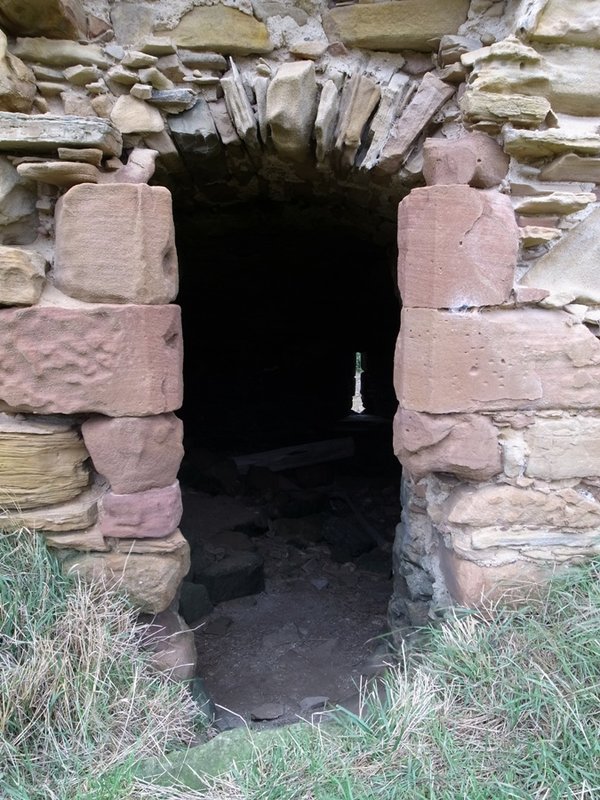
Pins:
<point x="291" y="567"/>
<point x="277" y="300"/>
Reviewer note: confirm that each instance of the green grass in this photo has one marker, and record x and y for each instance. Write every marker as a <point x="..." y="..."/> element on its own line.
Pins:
<point x="502" y="705"/>
<point x="79" y="701"/>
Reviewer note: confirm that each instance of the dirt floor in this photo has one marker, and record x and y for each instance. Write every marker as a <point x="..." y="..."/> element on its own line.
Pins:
<point x="317" y="626"/>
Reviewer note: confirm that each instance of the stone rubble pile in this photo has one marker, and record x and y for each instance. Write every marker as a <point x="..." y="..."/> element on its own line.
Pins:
<point x="493" y="105"/>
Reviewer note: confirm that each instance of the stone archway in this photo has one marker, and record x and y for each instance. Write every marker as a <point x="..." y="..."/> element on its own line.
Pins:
<point x="498" y="354"/>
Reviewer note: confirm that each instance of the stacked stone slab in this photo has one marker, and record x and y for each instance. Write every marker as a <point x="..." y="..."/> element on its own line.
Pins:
<point x="498" y="399"/>
<point x="104" y="342"/>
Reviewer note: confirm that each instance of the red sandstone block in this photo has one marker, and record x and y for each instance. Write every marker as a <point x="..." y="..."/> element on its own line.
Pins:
<point x="155" y="513"/>
<point x="464" y="445"/>
<point x="118" y="360"/>
<point x="472" y="584"/>
<point x="495" y="360"/>
<point x="135" y="453"/>
<point x="115" y="243"/>
<point x="475" y="159"/>
<point x="457" y="247"/>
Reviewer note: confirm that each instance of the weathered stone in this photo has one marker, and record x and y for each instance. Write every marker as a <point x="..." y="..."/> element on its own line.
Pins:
<point x="171" y="645"/>
<point x="122" y="76"/>
<point x="554" y="203"/>
<point x="525" y="294"/>
<point x="453" y="47"/>
<point x="292" y="108"/>
<point x="154" y="513"/>
<point x="18" y="215"/>
<point x="359" y="99"/>
<point x="203" y="61"/>
<point x="526" y="111"/>
<point x="312" y="50"/>
<point x="326" y="119"/>
<point x="261" y="87"/>
<point x="47" y="132"/>
<point x="172" y="68"/>
<point x="574" y="22"/>
<point x="89" y="540"/>
<point x="550" y="545"/>
<point x="527" y="145"/>
<point x="196" y="137"/>
<point x="150" y="581"/>
<point x="571" y="167"/>
<point x="494" y="360"/>
<point x="173" y="543"/>
<point x="507" y="67"/>
<point x="57" y="19"/>
<point x="236" y="575"/>
<point x="471" y="584"/>
<point x="137" y="263"/>
<point x="132" y="22"/>
<point x="511" y="506"/>
<point x="394" y="97"/>
<point x="140" y="167"/>
<point x="410" y="25"/>
<point x="158" y="45"/>
<point x="17" y="82"/>
<point x="130" y="115"/>
<point x="194" y="602"/>
<point x="41" y="462"/>
<point x="134" y="59"/>
<point x="571" y="270"/>
<point x="567" y="92"/>
<point x="59" y="173"/>
<point x="141" y="91"/>
<point x="155" y="77"/>
<point x="87" y="155"/>
<point x="223" y="122"/>
<point x="77" y="105"/>
<point x="565" y="447"/>
<point x="82" y="74"/>
<point x="76" y="514"/>
<point x="239" y="107"/>
<point x="22" y="276"/>
<point x="115" y="360"/>
<point x="475" y="159"/>
<point x="534" y="235"/>
<point x="466" y="446"/>
<point x="429" y="98"/>
<point x="222" y="30"/>
<point x="173" y="101"/>
<point x="59" y="52"/>
<point x="470" y="262"/>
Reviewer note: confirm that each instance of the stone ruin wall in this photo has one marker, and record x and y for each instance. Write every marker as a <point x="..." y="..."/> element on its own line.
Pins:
<point x="482" y="117"/>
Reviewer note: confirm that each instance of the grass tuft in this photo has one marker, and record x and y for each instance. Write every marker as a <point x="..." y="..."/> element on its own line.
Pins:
<point x="504" y="704"/>
<point x="79" y="701"/>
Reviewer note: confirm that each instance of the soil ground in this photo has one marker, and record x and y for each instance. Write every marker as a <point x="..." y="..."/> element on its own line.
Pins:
<point x="317" y="629"/>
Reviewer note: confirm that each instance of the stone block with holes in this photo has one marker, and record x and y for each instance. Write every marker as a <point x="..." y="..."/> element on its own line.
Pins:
<point x="457" y="247"/>
<point x="115" y="243"/>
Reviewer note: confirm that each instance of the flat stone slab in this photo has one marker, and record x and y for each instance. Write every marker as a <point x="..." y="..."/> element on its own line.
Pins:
<point x="40" y="464"/>
<point x="118" y="360"/>
<point x="410" y="25"/>
<point x="43" y="133"/>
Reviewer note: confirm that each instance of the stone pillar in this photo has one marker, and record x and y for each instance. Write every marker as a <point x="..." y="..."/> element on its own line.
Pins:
<point x="491" y="392"/>
<point x="101" y="341"/>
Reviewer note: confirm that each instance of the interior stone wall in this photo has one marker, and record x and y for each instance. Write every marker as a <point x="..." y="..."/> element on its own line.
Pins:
<point x="472" y="115"/>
